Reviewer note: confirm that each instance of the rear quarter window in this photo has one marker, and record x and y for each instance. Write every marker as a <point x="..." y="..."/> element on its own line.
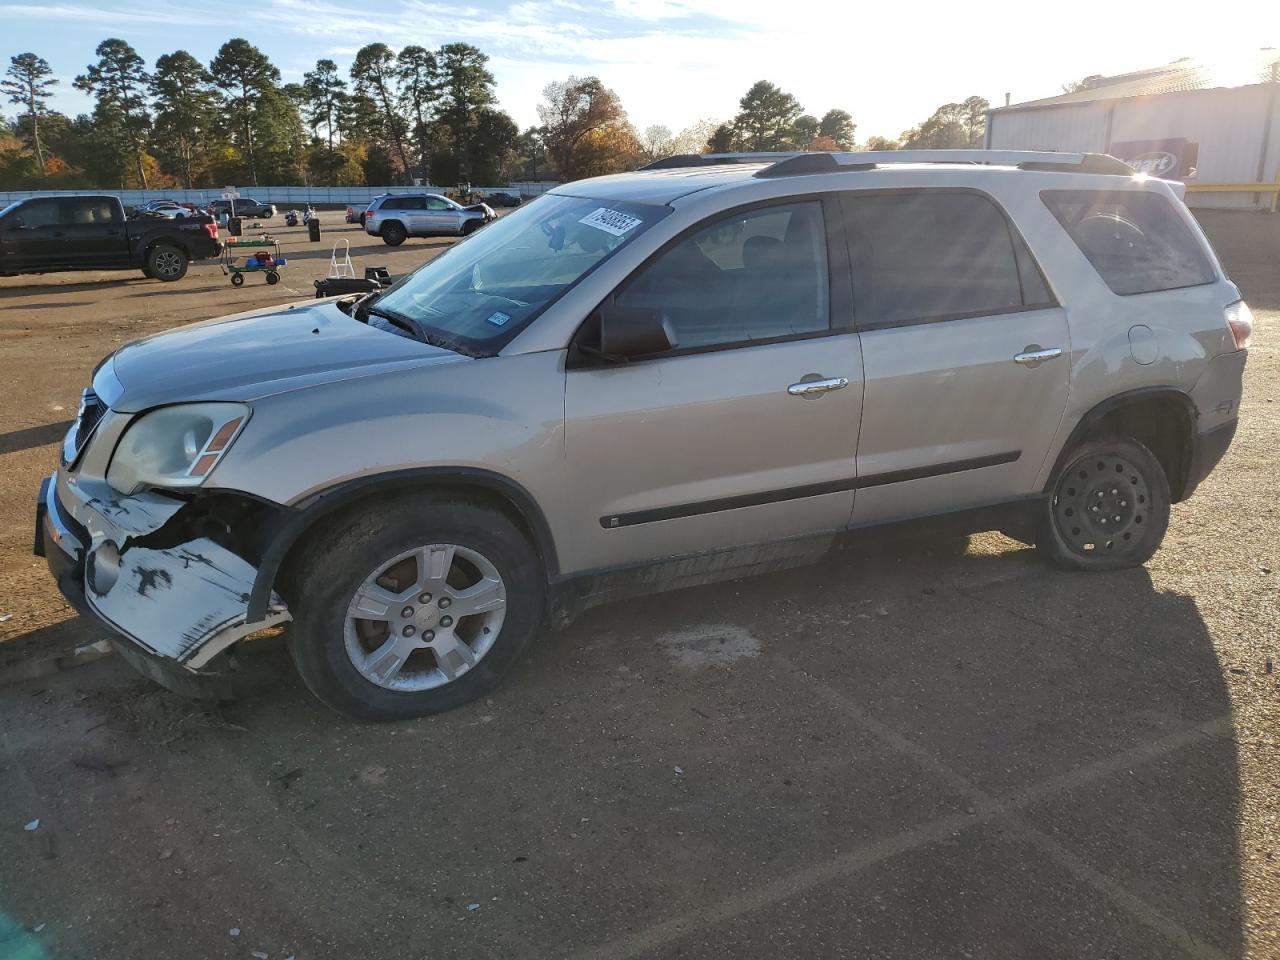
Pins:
<point x="1136" y="241"/>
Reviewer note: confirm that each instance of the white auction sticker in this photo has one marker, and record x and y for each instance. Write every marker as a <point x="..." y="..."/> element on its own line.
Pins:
<point x="610" y="221"/>
<point x="498" y="318"/>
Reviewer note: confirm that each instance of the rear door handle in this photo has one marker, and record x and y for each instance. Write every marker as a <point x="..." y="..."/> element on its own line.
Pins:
<point x="810" y="388"/>
<point x="1032" y="357"/>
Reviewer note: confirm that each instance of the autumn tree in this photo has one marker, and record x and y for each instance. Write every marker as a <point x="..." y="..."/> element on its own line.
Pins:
<point x="838" y="126"/>
<point x="766" y="118"/>
<point x="186" y="109"/>
<point x="374" y="75"/>
<point x="693" y="138"/>
<point x="585" y="128"/>
<point x="245" y="76"/>
<point x="29" y="82"/>
<point x="882" y="143"/>
<point x="118" y="83"/>
<point x="656" y="142"/>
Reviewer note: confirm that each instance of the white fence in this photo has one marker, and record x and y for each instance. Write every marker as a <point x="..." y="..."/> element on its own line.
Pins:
<point x="283" y="197"/>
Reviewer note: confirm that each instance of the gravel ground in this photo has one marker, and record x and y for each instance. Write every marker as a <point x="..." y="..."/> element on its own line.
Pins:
<point x="900" y="753"/>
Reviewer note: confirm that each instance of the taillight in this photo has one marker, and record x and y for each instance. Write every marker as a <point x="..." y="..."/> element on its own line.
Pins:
<point x="1240" y="320"/>
<point x="212" y="230"/>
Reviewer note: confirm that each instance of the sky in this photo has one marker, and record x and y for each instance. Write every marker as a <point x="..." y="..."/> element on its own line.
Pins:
<point x="674" y="62"/>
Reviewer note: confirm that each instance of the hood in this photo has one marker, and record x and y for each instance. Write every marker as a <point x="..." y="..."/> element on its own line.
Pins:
<point x="250" y="356"/>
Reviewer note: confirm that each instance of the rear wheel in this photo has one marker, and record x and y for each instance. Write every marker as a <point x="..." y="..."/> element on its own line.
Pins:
<point x="413" y="606"/>
<point x="166" y="262"/>
<point x="394" y="233"/>
<point x="237" y="279"/>
<point x="272" y="277"/>
<point x="1109" y="508"/>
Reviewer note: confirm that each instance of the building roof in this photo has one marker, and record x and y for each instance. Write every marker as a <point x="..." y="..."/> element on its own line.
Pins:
<point x="1244" y="69"/>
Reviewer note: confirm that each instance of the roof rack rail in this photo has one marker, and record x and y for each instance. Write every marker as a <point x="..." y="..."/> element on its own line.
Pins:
<point x="1042" y="160"/>
<point x="718" y="159"/>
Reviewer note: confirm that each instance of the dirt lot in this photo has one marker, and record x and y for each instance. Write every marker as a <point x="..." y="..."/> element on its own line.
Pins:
<point x="898" y="754"/>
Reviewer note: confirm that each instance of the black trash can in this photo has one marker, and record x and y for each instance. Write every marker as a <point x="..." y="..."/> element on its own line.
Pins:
<point x="233" y="226"/>
<point x="313" y="230"/>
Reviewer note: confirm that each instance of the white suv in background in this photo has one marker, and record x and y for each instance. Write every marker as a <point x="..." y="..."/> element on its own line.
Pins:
<point x="396" y="218"/>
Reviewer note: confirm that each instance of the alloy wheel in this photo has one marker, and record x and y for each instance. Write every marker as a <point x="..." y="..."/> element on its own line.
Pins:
<point x="425" y="618"/>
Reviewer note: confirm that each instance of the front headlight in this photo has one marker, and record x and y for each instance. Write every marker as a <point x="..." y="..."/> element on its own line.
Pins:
<point x="175" y="446"/>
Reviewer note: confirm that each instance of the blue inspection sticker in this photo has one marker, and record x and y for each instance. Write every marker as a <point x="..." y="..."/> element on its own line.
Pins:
<point x="499" y="319"/>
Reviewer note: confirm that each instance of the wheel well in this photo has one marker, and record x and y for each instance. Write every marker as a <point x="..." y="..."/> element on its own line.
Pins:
<point x="1161" y="423"/>
<point x="166" y="242"/>
<point x="277" y="562"/>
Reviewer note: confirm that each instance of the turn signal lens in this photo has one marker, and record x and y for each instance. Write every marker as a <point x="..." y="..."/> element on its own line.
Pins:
<point x="1240" y="320"/>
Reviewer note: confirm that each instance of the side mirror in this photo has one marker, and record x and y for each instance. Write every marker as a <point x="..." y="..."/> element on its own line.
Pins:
<point x="634" y="331"/>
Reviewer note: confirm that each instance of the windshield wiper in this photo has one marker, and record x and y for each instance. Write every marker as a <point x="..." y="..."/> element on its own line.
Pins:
<point x="419" y="330"/>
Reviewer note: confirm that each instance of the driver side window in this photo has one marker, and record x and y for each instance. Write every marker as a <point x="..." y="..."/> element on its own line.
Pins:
<point x="44" y="213"/>
<point x="751" y="276"/>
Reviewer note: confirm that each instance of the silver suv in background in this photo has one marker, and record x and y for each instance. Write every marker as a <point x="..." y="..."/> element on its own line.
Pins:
<point x="706" y="370"/>
<point x="396" y="218"/>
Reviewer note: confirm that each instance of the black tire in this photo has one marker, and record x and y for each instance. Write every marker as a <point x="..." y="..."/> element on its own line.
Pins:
<point x="1108" y="507"/>
<point x="337" y="560"/>
<point x="237" y="279"/>
<point x="166" y="262"/>
<point x="470" y="227"/>
<point x="272" y="277"/>
<point x="362" y="221"/>
<point x="394" y="233"/>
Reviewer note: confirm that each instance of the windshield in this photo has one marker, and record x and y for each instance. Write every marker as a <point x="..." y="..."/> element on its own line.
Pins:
<point x="483" y="290"/>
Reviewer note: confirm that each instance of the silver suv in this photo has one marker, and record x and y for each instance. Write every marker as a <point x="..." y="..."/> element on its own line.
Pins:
<point x="643" y="382"/>
<point x="395" y="218"/>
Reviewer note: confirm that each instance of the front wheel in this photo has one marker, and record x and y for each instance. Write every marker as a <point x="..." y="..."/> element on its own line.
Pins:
<point x="470" y="227"/>
<point x="1109" y="508"/>
<point x="272" y="277"/>
<point x="394" y="233"/>
<point x="237" y="279"/>
<point x="413" y="606"/>
<point x="166" y="262"/>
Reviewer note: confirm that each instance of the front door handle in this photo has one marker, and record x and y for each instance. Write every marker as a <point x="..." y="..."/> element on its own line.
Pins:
<point x="810" y="388"/>
<point x="1034" y="355"/>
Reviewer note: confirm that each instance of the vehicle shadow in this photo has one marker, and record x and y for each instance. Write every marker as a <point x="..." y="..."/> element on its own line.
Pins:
<point x="1082" y="720"/>
<point x="84" y="286"/>
<point x="29" y="437"/>
<point x="1010" y="675"/>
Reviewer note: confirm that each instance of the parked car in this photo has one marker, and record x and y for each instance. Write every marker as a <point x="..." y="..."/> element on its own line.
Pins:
<point x="355" y="214"/>
<point x="503" y="199"/>
<point x="644" y="382"/>
<point x="169" y="209"/>
<point x="51" y="234"/>
<point x="243" y="207"/>
<point x="396" y="218"/>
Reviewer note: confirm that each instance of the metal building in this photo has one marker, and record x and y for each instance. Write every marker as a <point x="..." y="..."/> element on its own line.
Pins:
<point x="1215" y="126"/>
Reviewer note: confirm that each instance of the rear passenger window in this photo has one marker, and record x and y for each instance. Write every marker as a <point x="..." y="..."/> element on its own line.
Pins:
<point x="1136" y="241"/>
<point x="927" y="255"/>
<point x="755" y="275"/>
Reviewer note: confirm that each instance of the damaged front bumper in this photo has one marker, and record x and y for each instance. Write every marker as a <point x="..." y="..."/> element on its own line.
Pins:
<point x="177" y="605"/>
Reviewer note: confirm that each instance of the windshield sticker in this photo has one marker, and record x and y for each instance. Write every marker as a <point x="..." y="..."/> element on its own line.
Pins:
<point x="498" y="318"/>
<point x="610" y="221"/>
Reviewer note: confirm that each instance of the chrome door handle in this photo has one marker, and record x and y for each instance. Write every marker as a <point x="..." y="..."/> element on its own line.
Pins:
<point x="1032" y="357"/>
<point x="809" y="388"/>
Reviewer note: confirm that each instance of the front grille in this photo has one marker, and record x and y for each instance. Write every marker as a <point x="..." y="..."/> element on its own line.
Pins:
<point x="87" y="417"/>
